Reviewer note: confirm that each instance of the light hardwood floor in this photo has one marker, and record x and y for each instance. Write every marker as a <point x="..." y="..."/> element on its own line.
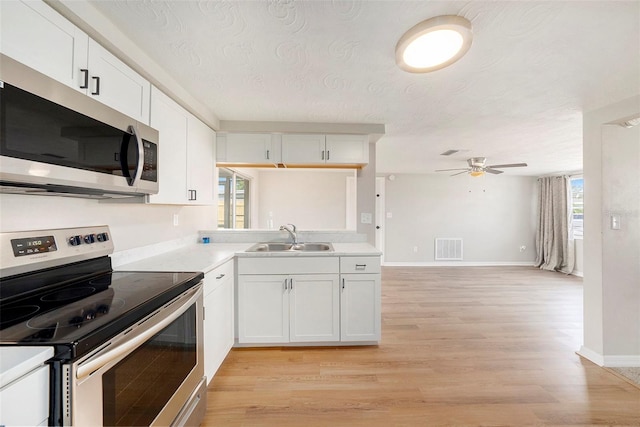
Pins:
<point x="477" y="346"/>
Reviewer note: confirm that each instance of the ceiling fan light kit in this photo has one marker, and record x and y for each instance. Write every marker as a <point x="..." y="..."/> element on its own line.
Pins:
<point x="434" y="44"/>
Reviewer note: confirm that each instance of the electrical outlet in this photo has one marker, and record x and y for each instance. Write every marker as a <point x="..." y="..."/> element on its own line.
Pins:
<point x="366" y="218"/>
<point x="176" y="220"/>
<point x="523" y="248"/>
<point x="415" y="249"/>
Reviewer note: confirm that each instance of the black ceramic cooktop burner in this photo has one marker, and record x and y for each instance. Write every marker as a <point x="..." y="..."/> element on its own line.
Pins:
<point x="16" y="314"/>
<point x="69" y="294"/>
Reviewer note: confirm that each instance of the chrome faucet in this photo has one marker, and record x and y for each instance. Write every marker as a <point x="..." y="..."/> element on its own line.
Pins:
<point x="291" y="229"/>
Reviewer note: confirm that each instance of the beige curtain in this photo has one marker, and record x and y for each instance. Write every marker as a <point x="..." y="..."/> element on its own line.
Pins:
<point x="554" y="237"/>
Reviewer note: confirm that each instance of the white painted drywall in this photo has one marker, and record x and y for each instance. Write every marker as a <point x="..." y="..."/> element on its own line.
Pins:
<point x="611" y="276"/>
<point x="494" y="215"/>
<point x="131" y="225"/>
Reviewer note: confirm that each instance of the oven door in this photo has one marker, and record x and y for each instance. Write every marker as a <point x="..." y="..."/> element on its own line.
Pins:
<point x="147" y="375"/>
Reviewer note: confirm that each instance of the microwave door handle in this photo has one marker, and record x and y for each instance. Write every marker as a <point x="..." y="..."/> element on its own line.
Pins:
<point x="94" y="364"/>
<point x="137" y="176"/>
<point x="131" y="137"/>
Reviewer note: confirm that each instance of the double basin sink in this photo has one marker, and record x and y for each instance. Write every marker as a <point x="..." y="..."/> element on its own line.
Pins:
<point x="290" y="247"/>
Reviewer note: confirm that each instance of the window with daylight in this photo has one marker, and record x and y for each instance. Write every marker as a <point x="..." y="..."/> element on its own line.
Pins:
<point x="233" y="199"/>
<point x="577" y="206"/>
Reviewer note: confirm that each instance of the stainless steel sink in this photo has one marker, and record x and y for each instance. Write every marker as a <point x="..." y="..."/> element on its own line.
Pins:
<point x="288" y="247"/>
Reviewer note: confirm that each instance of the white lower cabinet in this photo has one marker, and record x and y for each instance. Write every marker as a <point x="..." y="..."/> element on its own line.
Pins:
<point x="288" y="308"/>
<point x="218" y="317"/>
<point x="288" y="300"/>
<point x="360" y="298"/>
<point x="305" y="300"/>
<point x="360" y="307"/>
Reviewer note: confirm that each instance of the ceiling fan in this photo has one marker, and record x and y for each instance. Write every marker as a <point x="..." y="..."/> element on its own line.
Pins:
<point x="477" y="167"/>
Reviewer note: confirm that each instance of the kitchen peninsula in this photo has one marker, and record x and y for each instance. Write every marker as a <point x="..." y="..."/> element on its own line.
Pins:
<point x="281" y="298"/>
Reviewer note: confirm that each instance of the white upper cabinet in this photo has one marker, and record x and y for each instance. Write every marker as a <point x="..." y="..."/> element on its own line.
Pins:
<point x="113" y="83"/>
<point x="39" y="37"/>
<point x="36" y="35"/>
<point x="303" y="149"/>
<point x="186" y="160"/>
<point x="309" y="149"/>
<point x="171" y="122"/>
<point x="248" y="148"/>
<point x="347" y="149"/>
<point x="201" y="148"/>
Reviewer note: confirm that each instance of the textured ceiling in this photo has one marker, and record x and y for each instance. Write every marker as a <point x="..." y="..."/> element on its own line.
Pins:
<point x="517" y="96"/>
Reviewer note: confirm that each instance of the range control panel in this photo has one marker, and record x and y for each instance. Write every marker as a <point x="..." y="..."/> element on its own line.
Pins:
<point x="25" y="251"/>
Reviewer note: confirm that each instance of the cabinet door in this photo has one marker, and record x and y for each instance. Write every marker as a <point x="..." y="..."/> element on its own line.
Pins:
<point x="115" y="84"/>
<point x="314" y="308"/>
<point x="218" y="322"/>
<point x="360" y="307"/>
<point x="249" y="148"/>
<point x="171" y="122"/>
<point x="347" y="149"/>
<point x="36" y="35"/>
<point x="263" y="309"/>
<point x="201" y="146"/>
<point x="303" y="149"/>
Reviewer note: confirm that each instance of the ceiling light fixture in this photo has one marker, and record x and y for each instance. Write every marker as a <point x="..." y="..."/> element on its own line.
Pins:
<point x="630" y="123"/>
<point x="476" y="171"/>
<point x="434" y="44"/>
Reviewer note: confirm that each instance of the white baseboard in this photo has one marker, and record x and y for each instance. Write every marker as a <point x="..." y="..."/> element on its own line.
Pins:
<point x="459" y="264"/>
<point x="591" y="355"/>
<point x="622" y="361"/>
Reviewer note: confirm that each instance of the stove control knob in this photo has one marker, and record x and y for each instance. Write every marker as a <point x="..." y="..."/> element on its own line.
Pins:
<point x="90" y="238"/>
<point x="75" y="240"/>
<point x="76" y="321"/>
<point x="102" y="309"/>
<point x="90" y="315"/>
<point x="102" y="237"/>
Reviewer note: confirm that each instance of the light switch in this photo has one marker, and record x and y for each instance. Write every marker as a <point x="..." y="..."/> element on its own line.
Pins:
<point x="389" y="214"/>
<point x="366" y="218"/>
<point x="615" y="221"/>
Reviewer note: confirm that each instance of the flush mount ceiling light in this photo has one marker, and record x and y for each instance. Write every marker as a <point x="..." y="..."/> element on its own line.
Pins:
<point x="434" y="44"/>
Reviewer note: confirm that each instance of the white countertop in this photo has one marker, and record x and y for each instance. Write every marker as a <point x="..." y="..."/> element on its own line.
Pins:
<point x="18" y="361"/>
<point x="206" y="257"/>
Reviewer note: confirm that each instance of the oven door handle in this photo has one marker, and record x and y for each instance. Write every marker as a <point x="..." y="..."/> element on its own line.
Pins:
<point x="93" y="365"/>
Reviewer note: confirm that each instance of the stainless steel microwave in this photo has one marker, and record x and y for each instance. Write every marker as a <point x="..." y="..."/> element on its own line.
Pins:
<point x="55" y="140"/>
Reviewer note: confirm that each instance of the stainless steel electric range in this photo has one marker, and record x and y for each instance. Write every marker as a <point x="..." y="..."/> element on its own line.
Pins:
<point x="127" y="345"/>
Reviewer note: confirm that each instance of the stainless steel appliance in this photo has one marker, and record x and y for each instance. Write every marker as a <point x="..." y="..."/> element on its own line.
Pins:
<point x="128" y="346"/>
<point x="57" y="141"/>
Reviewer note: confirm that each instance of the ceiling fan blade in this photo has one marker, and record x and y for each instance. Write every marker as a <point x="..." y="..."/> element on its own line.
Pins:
<point x="510" y="165"/>
<point x="446" y="170"/>
<point x="493" y="171"/>
<point x="460" y="173"/>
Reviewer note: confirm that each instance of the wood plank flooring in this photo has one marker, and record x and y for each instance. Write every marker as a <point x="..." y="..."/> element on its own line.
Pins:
<point x="476" y="346"/>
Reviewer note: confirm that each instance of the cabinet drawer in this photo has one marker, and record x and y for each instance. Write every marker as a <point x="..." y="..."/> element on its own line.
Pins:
<point x="217" y="277"/>
<point x="288" y="265"/>
<point x="26" y="401"/>
<point x="359" y="264"/>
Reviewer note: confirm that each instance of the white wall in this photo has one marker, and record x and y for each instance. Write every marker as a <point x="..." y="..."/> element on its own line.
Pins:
<point x="494" y="215"/>
<point x="311" y="201"/>
<point x="612" y="257"/>
<point x="131" y="225"/>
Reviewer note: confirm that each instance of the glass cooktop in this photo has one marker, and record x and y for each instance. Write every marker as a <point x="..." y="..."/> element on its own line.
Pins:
<point x="80" y="315"/>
